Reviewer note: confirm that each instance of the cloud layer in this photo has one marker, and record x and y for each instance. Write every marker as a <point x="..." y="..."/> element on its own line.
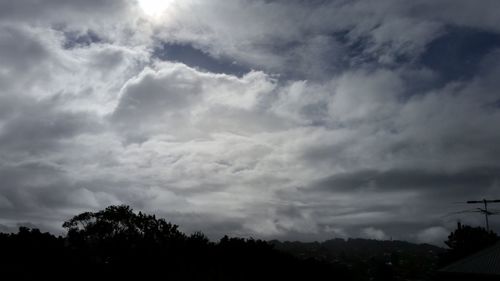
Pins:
<point x="280" y="119"/>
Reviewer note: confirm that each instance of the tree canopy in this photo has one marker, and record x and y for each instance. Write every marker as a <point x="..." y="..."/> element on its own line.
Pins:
<point x="466" y="240"/>
<point x="120" y="222"/>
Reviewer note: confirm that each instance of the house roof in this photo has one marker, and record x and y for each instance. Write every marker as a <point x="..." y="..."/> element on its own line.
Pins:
<point x="484" y="262"/>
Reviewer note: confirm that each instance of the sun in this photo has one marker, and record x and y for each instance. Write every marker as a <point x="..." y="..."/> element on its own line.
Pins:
<point x="154" y="8"/>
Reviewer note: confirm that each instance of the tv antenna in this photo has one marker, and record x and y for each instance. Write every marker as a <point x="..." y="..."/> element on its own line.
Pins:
<point x="485" y="210"/>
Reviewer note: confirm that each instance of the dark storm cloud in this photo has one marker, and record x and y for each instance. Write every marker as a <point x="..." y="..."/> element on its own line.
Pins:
<point x="456" y="184"/>
<point x="39" y="130"/>
<point x="17" y="178"/>
<point x="29" y="193"/>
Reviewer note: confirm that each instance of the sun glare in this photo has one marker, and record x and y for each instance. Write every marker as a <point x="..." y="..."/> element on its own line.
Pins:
<point x="154" y="8"/>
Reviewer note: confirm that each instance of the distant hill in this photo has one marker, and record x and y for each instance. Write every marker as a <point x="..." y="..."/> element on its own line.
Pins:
<point x="401" y="259"/>
<point x="354" y="247"/>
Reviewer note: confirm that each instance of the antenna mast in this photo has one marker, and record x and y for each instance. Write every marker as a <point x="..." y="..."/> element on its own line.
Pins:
<point x="485" y="210"/>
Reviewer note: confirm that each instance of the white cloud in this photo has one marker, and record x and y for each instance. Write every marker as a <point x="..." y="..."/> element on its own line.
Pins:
<point x="433" y="235"/>
<point x="374" y="233"/>
<point x="176" y="100"/>
<point x="366" y="97"/>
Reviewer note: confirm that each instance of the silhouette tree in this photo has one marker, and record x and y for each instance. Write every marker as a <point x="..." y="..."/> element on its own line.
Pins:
<point x="120" y="222"/>
<point x="466" y="240"/>
<point x="118" y="241"/>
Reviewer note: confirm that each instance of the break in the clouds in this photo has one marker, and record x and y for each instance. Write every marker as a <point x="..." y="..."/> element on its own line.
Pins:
<point x="272" y="119"/>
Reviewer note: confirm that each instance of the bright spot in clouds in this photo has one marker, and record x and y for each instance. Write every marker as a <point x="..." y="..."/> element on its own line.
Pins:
<point x="154" y="8"/>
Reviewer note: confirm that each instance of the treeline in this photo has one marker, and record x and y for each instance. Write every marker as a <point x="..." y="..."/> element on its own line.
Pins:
<point x="119" y="244"/>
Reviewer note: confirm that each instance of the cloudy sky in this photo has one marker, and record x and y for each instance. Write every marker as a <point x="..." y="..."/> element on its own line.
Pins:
<point x="272" y="119"/>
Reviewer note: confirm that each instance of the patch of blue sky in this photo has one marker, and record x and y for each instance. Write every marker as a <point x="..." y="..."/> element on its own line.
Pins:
<point x="193" y="57"/>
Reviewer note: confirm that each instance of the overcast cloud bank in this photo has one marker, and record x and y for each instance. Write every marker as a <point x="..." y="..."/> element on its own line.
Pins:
<point x="354" y="118"/>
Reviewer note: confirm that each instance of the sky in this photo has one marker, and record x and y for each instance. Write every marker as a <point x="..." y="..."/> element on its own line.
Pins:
<point x="292" y="120"/>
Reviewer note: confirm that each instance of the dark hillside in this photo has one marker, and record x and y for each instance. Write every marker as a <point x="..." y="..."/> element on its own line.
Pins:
<point x="367" y="258"/>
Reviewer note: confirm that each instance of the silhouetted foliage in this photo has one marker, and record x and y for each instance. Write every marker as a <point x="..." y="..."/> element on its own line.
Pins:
<point x="466" y="240"/>
<point x="118" y="244"/>
<point x="369" y="259"/>
<point x="30" y="254"/>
